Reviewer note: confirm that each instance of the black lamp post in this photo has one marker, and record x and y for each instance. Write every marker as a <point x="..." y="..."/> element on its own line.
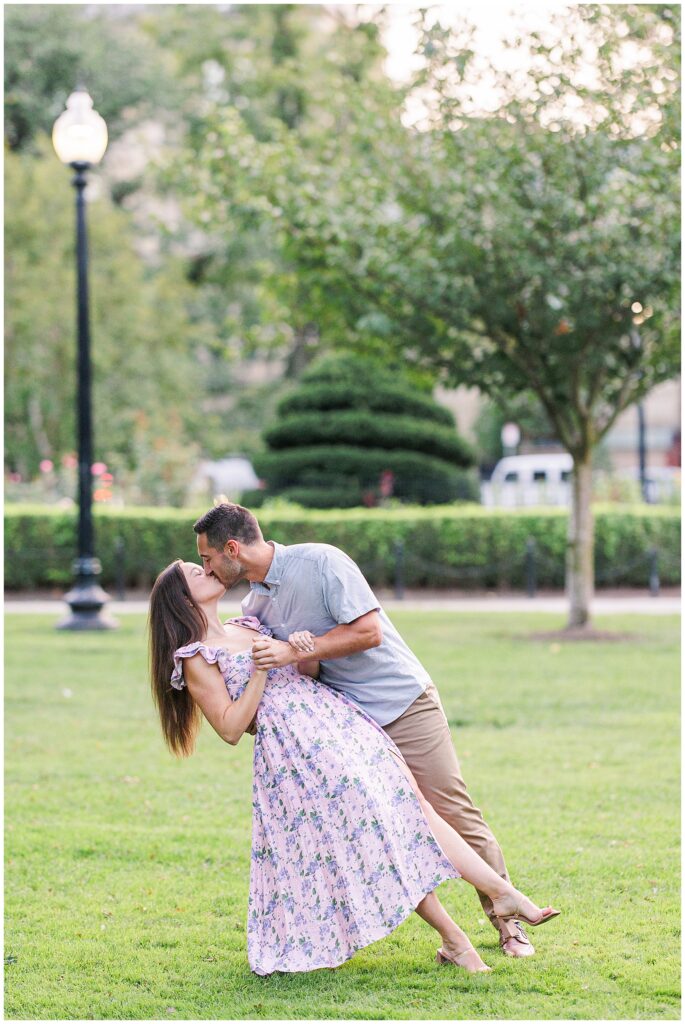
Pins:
<point x="80" y="139"/>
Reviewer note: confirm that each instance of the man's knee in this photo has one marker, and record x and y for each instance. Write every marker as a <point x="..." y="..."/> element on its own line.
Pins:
<point x="456" y="807"/>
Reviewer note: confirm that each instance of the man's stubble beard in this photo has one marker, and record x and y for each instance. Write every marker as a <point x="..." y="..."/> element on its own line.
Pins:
<point x="231" y="572"/>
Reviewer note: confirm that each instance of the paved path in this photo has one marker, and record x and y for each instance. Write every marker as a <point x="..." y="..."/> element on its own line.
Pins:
<point x="631" y="603"/>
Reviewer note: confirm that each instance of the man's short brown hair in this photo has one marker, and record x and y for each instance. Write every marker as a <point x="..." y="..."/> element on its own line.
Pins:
<point x="228" y="522"/>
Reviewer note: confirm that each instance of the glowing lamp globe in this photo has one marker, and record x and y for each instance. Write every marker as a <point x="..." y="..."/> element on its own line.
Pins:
<point x="80" y="134"/>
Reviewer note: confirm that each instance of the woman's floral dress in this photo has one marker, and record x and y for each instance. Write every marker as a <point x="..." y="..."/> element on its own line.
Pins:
<point x="341" y="850"/>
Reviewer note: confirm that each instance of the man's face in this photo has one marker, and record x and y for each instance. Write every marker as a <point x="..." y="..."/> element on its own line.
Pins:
<point x="225" y="565"/>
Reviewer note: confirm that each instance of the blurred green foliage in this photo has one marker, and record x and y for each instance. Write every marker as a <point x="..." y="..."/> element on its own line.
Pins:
<point x="49" y="49"/>
<point x="183" y="309"/>
<point x="143" y="343"/>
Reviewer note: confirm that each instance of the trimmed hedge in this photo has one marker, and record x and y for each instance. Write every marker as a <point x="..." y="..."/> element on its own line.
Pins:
<point x="465" y="547"/>
<point x="341" y="494"/>
<point x="371" y="394"/>
<point x="351" y="421"/>
<point x="377" y="430"/>
<point x="418" y="478"/>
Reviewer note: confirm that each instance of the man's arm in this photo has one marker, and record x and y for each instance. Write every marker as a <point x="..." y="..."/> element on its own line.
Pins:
<point x="312" y="668"/>
<point x="348" y="638"/>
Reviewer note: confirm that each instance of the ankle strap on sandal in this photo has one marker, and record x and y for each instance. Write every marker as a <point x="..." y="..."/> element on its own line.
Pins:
<point x="509" y="930"/>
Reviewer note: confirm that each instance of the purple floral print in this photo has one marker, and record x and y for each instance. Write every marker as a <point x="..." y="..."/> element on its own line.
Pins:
<point x="341" y="850"/>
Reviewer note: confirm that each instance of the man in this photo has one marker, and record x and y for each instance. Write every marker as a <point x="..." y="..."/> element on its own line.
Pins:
<point x="316" y="587"/>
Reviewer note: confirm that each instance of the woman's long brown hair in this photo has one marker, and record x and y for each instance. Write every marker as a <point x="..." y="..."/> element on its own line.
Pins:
<point x="173" y="621"/>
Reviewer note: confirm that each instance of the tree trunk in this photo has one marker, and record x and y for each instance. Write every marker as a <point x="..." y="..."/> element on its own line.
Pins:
<point x="580" y="544"/>
<point x="37" y="422"/>
<point x="303" y="348"/>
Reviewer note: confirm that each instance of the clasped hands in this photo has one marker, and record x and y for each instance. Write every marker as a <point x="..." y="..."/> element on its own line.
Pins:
<point x="267" y="652"/>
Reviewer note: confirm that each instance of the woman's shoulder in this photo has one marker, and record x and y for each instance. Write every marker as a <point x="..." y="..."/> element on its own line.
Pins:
<point x="197" y="647"/>
<point x="211" y="655"/>
<point x="250" y="622"/>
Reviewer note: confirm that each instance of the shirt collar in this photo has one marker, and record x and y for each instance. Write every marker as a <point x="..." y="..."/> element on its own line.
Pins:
<point x="273" y="576"/>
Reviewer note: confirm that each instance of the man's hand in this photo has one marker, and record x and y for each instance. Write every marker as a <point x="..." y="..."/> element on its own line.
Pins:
<point x="267" y="652"/>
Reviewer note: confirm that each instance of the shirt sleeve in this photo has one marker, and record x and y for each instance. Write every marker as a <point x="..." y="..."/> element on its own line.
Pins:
<point x="346" y="593"/>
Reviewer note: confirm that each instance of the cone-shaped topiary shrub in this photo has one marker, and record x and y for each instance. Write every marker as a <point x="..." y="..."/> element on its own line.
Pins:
<point x="353" y="433"/>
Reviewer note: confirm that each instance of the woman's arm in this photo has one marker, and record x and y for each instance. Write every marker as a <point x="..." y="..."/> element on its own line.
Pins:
<point x="229" y="718"/>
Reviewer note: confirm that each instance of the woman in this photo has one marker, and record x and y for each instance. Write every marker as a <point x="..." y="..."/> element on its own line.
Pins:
<point x="344" y="846"/>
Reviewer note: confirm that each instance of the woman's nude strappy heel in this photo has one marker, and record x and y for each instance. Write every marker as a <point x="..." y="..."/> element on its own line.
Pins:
<point x="517" y="914"/>
<point x="462" y="960"/>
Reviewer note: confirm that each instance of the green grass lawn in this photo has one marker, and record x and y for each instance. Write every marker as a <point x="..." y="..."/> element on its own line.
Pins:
<point x="127" y="871"/>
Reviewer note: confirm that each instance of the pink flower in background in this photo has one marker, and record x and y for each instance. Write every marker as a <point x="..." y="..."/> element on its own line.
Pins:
<point x="387" y="483"/>
<point x="69" y="461"/>
<point x="46" y="466"/>
<point x="98" y="468"/>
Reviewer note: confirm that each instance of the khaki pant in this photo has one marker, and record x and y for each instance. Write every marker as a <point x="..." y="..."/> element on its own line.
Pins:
<point x="423" y="735"/>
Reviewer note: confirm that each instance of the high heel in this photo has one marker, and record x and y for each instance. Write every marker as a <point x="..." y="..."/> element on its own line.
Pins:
<point x="517" y="913"/>
<point x="470" y="960"/>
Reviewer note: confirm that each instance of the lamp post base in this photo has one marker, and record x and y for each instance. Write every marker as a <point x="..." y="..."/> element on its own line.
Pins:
<point x="87" y="600"/>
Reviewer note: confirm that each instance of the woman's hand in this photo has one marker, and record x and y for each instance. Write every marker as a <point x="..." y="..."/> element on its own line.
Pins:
<point x="268" y="652"/>
<point x="302" y="641"/>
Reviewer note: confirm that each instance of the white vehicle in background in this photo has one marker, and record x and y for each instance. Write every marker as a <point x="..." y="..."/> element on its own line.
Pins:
<point x="520" y="480"/>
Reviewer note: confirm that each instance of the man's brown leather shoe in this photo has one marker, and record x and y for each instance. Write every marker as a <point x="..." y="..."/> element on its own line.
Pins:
<point x="513" y="939"/>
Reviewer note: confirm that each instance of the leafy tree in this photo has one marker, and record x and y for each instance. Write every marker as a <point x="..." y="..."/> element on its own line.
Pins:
<point x="278" y="75"/>
<point x="352" y="433"/>
<point x="573" y="224"/>
<point x="515" y="249"/>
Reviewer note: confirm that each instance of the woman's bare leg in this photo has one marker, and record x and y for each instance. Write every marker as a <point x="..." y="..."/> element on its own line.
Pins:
<point x="467" y="862"/>
<point x="433" y="913"/>
<point x="454" y="940"/>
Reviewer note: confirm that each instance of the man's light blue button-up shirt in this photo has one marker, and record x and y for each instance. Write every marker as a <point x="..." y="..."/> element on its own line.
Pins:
<point x="318" y="587"/>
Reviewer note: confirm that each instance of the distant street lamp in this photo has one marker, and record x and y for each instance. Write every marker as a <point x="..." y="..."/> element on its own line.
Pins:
<point x="80" y="140"/>
<point x="510" y="436"/>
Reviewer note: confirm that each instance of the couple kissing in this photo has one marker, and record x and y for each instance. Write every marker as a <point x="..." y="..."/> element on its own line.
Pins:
<point x="359" y="807"/>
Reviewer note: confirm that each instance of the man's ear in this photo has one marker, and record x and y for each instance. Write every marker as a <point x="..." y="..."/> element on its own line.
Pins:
<point x="232" y="549"/>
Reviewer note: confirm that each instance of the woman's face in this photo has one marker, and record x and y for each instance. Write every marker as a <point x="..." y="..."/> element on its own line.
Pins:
<point x="202" y="588"/>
